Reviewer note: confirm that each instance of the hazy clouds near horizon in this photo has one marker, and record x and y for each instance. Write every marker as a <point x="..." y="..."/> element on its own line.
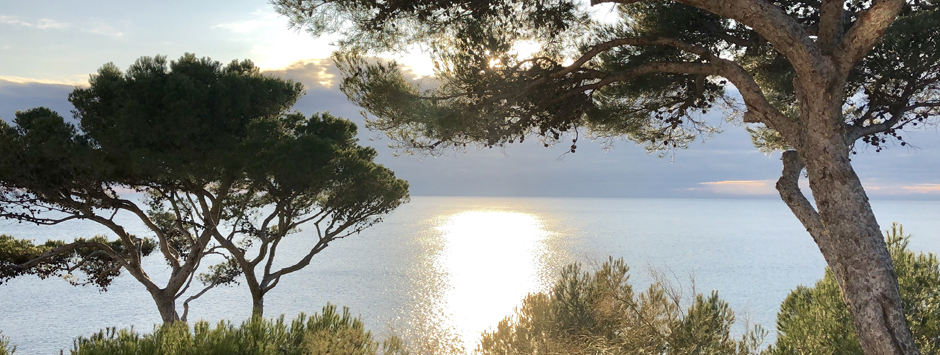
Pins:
<point x="726" y="165"/>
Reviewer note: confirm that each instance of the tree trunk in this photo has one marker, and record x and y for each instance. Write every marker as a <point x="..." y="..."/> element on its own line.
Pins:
<point x="166" y="304"/>
<point x="257" y="306"/>
<point x="257" y="295"/>
<point x="853" y="246"/>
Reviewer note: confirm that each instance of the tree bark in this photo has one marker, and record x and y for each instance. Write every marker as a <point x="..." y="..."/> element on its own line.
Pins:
<point x="166" y="305"/>
<point x="257" y="305"/>
<point x="855" y="249"/>
<point x="255" y="288"/>
<point x="843" y="224"/>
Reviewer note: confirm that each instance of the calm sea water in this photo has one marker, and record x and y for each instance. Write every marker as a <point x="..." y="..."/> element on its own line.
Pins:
<point x="440" y="270"/>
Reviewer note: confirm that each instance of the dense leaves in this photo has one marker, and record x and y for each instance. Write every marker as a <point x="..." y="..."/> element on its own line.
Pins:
<point x="328" y="332"/>
<point x="815" y="320"/>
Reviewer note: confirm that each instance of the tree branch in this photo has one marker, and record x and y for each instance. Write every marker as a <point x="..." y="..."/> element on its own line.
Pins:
<point x="759" y="109"/>
<point x="789" y="189"/>
<point x="782" y="31"/>
<point x="72" y="247"/>
<point x="831" y="15"/>
<point x="865" y="33"/>
<point x="600" y="48"/>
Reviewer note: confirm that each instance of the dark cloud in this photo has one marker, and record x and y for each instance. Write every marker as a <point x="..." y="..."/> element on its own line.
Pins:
<point x="726" y="165"/>
<point x="16" y="96"/>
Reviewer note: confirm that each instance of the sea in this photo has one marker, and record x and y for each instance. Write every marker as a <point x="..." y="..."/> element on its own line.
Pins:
<point x="440" y="270"/>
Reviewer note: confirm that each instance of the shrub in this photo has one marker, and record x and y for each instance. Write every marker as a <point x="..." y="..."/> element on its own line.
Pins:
<point x="329" y="332"/>
<point x="815" y="320"/>
<point x="598" y="313"/>
<point x="5" y="347"/>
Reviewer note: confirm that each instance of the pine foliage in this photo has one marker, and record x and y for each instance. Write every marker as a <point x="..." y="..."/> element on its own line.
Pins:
<point x="599" y="313"/>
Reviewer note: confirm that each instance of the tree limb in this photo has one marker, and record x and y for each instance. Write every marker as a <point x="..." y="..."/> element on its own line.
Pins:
<point x="789" y="189"/>
<point x="600" y="48"/>
<point x="865" y="33"/>
<point x="831" y="15"/>
<point x="782" y="31"/>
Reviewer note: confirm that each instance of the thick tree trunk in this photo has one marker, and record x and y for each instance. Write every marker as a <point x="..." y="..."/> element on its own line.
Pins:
<point x="855" y="248"/>
<point x="166" y="304"/>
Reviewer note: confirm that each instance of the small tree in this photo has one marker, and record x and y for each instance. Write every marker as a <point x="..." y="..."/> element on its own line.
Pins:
<point x="195" y="137"/>
<point x="815" y="77"/>
<point x="816" y="320"/>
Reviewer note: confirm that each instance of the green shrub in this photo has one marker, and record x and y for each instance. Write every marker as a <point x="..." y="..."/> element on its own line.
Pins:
<point x="598" y="313"/>
<point x="5" y="347"/>
<point x="329" y="332"/>
<point x="815" y="320"/>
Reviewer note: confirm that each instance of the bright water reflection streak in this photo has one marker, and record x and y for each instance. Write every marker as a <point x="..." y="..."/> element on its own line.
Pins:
<point x="490" y="261"/>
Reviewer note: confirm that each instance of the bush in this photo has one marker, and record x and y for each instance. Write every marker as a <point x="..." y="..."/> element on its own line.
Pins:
<point x="815" y="320"/>
<point x="5" y="347"/>
<point x="598" y="313"/>
<point x="330" y="332"/>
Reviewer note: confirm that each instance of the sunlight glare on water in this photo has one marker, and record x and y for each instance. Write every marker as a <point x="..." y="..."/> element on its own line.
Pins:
<point x="491" y="260"/>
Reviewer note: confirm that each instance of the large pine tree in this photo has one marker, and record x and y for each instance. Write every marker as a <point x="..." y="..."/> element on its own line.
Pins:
<point x="817" y="78"/>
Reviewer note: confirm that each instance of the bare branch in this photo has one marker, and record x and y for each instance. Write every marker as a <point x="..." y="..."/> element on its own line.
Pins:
<point x="193" y="297"/>
<point x="169" y="253"/>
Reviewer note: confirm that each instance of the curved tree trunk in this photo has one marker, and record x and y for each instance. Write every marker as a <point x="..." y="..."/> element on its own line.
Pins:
<point x="847" y="233"/>
<point x="855" y="249"/>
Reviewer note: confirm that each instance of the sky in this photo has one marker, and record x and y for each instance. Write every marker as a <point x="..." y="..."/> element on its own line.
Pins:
<point x="48" y="47"/>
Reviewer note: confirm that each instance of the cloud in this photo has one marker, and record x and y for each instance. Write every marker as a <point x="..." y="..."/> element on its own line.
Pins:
<point x="98" y="28"/>
<point x="766" y="187"/>
<point x="12" y="20"/>
<point x="242" y="26"/>
<point x="261" y="19"/>
<point x="22" y="80"/>
<point x="310" y="72"/>
<point x="739" y="187"/>
<point x="42" y="23"/>
<point x="103" y="29"/>
<point x="314" y="73"/>
<point x="923" y="188"/>
<point x="895" y="189"/>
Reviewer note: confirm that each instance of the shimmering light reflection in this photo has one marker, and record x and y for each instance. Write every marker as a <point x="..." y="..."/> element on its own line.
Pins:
<point x="490" y="260"/>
